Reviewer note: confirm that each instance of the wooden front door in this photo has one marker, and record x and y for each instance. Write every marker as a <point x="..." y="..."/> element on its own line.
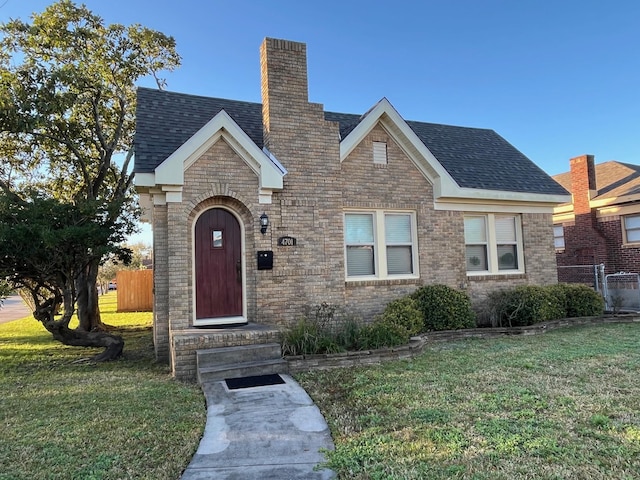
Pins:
<point x="218" y="265"/>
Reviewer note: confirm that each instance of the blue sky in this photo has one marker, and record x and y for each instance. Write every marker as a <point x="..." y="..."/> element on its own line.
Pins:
<point x="556" y="78"/>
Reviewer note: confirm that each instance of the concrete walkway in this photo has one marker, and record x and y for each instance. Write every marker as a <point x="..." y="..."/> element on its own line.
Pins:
<point x="13" y="308"/>
<point x="270" y="432"/>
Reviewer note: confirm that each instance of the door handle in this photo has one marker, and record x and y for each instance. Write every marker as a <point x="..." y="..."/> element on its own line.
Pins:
<point x="239" y="271"/>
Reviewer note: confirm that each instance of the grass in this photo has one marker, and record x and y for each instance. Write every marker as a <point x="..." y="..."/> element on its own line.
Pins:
<point x="64" y="417"/>
<point x="564" y="405"/>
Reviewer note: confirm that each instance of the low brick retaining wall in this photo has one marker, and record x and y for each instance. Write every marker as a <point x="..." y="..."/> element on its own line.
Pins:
<point x="301" y="363"/>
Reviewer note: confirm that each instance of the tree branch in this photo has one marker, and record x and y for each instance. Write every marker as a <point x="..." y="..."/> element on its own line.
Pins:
<point x="96" y="118"/>
<point x="74" y="150"/>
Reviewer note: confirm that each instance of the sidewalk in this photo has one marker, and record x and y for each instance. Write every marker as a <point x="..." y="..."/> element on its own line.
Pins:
<point x="271" y="432"/>
<point x="13" y="308"/>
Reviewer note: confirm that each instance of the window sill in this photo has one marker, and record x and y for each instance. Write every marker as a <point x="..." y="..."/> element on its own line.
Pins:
<point x="496" y="276"/>
<point x="630" y="245"/>
<point x="382" y="282"/>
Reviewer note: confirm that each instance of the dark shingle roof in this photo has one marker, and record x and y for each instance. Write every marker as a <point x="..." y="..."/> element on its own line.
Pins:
<point x="480" y="158"/>
<point x="165" y="120"/>
<point x="475" y="158"/>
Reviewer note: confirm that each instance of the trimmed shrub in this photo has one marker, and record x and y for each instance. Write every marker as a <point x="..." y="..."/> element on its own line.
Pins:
<point x="382" y="333"/>
<point x="404" y="312"/>
<point x="558" y="295"/>
<point x="444" y="308"/>
<point x="581" y="300"/>
<point x="526" y="305"/>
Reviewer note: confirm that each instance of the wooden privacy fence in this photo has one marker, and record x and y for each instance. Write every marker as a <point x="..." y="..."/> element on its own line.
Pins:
<point x="135" y="290"/>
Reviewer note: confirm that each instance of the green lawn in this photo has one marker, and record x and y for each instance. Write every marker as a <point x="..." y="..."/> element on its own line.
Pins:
<point x="62" y="417"/>
<point x="564" y="405"/>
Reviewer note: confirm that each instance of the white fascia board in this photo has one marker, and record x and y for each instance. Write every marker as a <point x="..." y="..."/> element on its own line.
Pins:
<point x="562" y="209"/>
<point x="498" y="201"/>
<point x="275" y="161"/>
<point x="605" y="202"/>
<point x="563" y="217"/>
<point x="481" y="195"/>
<point x="144" y="179"/>
<point x="632" y="209"/>
<point x="171" y="171"/>
<point x="493" y="207"/>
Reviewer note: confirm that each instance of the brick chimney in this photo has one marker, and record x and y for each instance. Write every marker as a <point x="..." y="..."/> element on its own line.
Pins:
<point x="586" y="240"/>
<point x="285" y="92"/>
<point x="583" y="183"/>
<point x="309" y="207"/>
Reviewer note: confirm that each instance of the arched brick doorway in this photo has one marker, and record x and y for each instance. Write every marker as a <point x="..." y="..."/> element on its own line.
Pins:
<point x="218" y="268"/>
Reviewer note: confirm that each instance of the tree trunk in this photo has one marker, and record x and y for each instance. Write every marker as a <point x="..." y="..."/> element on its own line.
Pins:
<point x="112" y="344"/>
<point x="87" y="300"/>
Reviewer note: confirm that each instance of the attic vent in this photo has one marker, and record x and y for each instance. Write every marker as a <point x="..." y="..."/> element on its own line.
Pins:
<point x="379" y="153"/>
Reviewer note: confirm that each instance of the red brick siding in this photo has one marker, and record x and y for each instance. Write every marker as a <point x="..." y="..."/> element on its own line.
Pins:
<point x="583" y="179"/>
<point x="585" y="245"/>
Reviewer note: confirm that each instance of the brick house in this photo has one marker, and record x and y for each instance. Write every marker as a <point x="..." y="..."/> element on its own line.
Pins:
<point x="602" y="222"/>
<point x="361" y="209"/>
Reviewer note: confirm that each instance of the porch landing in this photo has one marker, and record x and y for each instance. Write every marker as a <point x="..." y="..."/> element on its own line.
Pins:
<point x="185" y="343"/>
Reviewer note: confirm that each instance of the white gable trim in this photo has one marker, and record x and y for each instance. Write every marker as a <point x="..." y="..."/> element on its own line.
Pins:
<point x="171" y="171"/>
<point x="445" y="189"/>
<point x="384" y="113"/>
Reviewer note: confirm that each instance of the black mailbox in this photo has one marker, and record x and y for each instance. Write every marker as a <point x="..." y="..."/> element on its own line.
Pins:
<point x="265" y="259"/>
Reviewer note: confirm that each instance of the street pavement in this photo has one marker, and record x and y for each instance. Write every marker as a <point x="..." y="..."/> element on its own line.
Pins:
<point x="13" y="308"/>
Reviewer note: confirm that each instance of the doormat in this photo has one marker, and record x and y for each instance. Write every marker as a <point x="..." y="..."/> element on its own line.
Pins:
<point x="255" y="381"/>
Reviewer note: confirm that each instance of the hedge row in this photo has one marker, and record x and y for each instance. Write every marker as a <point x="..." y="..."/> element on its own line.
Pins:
<point x="327" y="329"/>
<point x="529" y="304"/>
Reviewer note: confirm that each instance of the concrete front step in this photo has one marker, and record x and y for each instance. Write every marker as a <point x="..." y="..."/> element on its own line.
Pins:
<point x="238" y="370"/>
<point x="215" y="364"/>
<point x="238" y="354"/>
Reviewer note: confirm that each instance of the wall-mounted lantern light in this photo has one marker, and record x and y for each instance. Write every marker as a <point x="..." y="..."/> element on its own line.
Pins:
<point x="264" y="223"/>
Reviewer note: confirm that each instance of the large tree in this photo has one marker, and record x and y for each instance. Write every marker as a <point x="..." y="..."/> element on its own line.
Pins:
<point x="67" y="106"/>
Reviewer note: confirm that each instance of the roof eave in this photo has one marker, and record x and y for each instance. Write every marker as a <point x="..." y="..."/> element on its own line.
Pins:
<point x="446" y="190"/>
<point x="171" y="171"/>
<point x="471" y="199"/>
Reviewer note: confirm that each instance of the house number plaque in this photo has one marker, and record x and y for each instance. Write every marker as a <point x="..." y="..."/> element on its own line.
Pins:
<point x="287" y="242"/>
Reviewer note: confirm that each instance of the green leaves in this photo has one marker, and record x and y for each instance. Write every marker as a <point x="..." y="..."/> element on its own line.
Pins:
<point x="68" y="91"/>
<point x="444" y="308"/>
<point x="67" y="106"/>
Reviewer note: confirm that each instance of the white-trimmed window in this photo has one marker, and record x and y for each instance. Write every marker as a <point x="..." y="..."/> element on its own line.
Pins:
<point x="493" y="244"/>
<point x="631" y="228"/>
<point x="380" y="244"/>
<point x="379" y="153"/>
<point x="558" y="237"/>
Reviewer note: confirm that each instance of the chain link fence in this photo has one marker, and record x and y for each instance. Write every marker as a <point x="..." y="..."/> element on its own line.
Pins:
<point x="592" y="275"/>
<point x="622" y="292"/>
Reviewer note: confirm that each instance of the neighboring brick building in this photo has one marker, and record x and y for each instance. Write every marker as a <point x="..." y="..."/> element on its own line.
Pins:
<point x="361" y="209"/>
<point x="602" y="224"/>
